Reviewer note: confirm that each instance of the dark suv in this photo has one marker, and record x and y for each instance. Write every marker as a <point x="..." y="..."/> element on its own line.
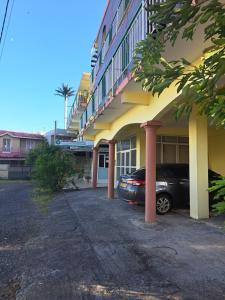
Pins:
<point x="172" y="186"/>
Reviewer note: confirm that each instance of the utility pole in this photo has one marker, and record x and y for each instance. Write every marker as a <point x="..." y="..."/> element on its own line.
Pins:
<point x="55" y="132"/>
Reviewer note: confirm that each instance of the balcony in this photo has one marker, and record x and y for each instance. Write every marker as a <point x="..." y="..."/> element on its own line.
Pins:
<point x="106" y="103"/>
<point x="117" y="70"/>
<point x="79" y="105"/>
<point x="112" y="32"/>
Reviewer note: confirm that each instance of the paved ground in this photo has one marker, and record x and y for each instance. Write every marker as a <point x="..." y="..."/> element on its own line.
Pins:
<point x="90" y="248"/>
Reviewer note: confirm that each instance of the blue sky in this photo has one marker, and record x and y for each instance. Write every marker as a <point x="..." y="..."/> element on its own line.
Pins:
<point x="48" y="43"/>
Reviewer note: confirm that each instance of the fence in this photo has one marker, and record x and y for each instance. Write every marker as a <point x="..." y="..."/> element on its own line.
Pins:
<point x="10" y="172"/>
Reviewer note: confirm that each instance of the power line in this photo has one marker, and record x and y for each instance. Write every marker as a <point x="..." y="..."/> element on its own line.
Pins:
<point x="9" y="19"/>
<point x="3" y="24"/>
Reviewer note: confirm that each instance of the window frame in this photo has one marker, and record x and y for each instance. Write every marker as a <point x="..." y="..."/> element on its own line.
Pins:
<point x="5" y="148"/>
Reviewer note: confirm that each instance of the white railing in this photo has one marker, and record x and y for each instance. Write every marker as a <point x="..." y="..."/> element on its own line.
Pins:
<point x="121" y="63"/>
<point x="78" y="105"/>
<point x="114" y="28"/>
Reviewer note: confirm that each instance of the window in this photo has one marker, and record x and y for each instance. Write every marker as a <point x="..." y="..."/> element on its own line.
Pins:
<point x="103" y="160"/>
<point x="126" y="156"/>
<point x="103" y="35"/>
<point x="125" y="53"/>
<point x="6" y="145"/>
<point x="110" y="34"/>
<point x="126" y="3"/>
<point x="103" y="87"/>
<point x="172" y="149"/>
<point x="30" y="144"/>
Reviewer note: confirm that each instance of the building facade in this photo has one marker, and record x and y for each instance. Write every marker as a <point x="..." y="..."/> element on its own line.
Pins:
<point x="140" y="128"/>
<point x="14" y="147"/>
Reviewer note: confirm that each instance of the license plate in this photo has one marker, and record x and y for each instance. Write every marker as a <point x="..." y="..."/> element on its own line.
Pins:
<point x="123" y="184"/>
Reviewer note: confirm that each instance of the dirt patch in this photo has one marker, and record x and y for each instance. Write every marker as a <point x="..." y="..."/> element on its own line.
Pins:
<point x="9" y="290"/>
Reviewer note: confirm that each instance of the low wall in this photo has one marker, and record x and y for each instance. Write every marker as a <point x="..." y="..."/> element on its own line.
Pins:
<point x="4" y="171"/>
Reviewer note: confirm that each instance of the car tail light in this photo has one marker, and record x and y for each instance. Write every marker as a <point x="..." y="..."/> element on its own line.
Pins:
<point x="137" y="182"/>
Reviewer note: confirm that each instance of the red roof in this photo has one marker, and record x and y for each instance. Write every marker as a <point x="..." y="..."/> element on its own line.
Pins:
<point x="22" y="135"/>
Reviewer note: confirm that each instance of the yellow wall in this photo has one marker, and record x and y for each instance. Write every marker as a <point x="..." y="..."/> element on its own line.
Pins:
<point x="216" y="148"/>
<point x="129" y="124"/>
<point x="216" y="144"/>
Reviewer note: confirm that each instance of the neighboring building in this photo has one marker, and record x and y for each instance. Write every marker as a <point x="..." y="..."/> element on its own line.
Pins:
<point x="60" y="136"/>
<point x="14" y="147"/>
<point x="135" y="123"/>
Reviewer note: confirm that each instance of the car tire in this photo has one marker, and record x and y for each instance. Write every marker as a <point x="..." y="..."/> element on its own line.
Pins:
<point x="163" y="204"/>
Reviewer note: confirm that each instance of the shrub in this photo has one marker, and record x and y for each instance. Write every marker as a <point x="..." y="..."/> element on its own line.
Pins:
<point x="51" y="166"/>
<point x="218" y="186"/>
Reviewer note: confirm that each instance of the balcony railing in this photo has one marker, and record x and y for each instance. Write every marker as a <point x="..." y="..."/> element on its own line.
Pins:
<point x="79" y="105"/>
<point x="120" y="65"/>
<point x="123" y="5"/>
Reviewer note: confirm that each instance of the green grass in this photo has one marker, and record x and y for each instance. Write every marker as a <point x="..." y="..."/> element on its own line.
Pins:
<point x="42" y="198"/>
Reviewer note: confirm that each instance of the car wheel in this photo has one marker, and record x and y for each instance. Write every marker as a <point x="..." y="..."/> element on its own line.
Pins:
<point x="163" y="204"/>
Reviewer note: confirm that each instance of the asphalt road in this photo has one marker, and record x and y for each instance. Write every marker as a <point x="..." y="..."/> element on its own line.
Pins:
<point x="87" y="247"/>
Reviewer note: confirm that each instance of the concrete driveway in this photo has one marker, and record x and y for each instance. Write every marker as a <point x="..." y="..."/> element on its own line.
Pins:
<point x="87" y="247"/>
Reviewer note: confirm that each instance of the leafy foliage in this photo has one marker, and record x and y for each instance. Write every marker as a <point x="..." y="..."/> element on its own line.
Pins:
<point x="205" y="83"/>
<point x="64" y="91"/>
<point x="218" y="186"/>
<point x="51" y="167"/>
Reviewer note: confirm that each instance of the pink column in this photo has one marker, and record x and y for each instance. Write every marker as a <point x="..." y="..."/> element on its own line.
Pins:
<point x="95" y="168"/>
<point x="111" y="169"/>
<point x="150" y="177"/>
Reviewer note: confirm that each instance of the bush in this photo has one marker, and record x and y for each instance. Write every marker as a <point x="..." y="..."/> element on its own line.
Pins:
<point x="51" y="166"/>
<point x="218" y="186"/>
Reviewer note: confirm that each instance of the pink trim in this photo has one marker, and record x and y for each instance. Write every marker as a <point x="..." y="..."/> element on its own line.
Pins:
<point x="150" y="173"/>
<point x="123" y="84"/>
<point x="111" y="169"/>
<point x="111" y="98"/>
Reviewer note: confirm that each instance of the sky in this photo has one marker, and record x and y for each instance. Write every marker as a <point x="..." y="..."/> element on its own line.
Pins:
<point x="48" y="43"/>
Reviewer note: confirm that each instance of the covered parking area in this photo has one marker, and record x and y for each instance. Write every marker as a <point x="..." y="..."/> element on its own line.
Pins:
<point x="143" y="141"/>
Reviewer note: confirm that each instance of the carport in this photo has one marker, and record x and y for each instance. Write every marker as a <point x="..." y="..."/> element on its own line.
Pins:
<point x="206" y="148"/>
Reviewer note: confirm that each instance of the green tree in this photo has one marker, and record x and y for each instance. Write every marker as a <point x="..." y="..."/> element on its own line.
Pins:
<point x="204" y="84"/>
<point x="65" y="91"/>
<point x="51" y="167"/>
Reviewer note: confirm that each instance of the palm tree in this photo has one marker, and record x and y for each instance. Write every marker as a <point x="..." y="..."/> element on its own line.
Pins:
<point x="65" y="91"/>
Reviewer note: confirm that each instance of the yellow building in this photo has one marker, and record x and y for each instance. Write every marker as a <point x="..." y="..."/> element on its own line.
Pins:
<point x="140" y="128"/>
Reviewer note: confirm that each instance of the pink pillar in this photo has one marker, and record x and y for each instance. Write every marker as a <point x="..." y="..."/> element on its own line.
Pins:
<point x="111" y="169"/>
<point x="150" y="176"/>
<point x="95" y="168"/>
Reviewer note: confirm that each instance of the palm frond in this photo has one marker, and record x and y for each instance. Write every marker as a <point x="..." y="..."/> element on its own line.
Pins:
<point x="64" y="91"/>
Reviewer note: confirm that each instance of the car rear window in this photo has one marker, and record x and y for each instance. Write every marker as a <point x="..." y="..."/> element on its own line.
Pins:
<point x="139" y="173"/>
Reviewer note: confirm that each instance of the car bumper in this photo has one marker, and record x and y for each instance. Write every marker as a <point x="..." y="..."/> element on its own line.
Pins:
<point x="134" y="194"/>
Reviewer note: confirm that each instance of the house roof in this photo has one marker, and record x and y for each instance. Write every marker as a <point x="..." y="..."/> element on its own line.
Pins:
<point x="22" y="135"/>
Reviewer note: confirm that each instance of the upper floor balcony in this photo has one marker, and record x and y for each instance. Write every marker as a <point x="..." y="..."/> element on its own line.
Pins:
<point x="112" y="74"/>
<point x="120" y="63"/>
<point x="80" y="103"/>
